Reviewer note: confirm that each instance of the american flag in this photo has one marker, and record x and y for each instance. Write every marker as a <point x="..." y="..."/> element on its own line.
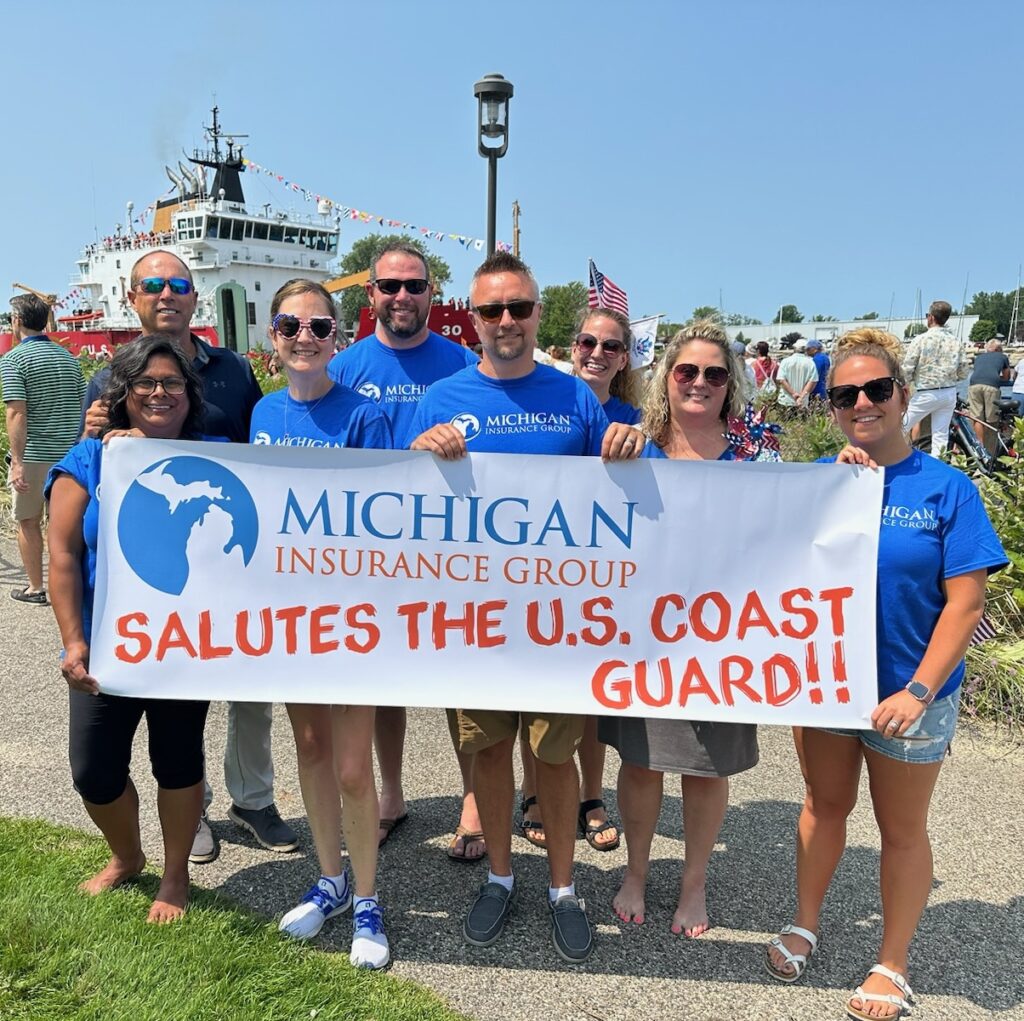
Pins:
<point x="605" y="294"/>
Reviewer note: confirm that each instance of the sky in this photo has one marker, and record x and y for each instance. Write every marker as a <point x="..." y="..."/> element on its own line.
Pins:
<point x="838" y="156"/>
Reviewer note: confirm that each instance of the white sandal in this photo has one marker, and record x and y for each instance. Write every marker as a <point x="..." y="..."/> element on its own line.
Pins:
<point x="901" y="1003"/>
<point x="798" y="962"/>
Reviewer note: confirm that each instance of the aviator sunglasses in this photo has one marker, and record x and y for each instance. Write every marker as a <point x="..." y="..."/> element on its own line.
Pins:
<point x="493" y="311"/>
<point x="714" y="375"/>
<point x="289" y="326"/>
<point x="390" y="286"/>
<point x="154" y="285"/>
<point x="878" y="391"/>
<point x="591" y="343"/>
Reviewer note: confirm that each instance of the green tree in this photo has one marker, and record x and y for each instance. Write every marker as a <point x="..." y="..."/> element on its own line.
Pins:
<point x="562" y="304"/>
<point x="824" y="319"/>
<point x="666" y="331"/>
<point x="983" y="331"/>
<point x="788" y="314"/>
<point x="741" y="319"/>
<point x="865" y="317"/>
<point x="362" y="255"/>
<point x="996" y="307"/>
<point x="706" y="312"/>
<point x="913" y="329"/>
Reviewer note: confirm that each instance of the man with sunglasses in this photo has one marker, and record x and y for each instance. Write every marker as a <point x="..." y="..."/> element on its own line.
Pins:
<point x="511" y="404"/>
<point x="393" y="366"/>
<point x="164" y="298"/>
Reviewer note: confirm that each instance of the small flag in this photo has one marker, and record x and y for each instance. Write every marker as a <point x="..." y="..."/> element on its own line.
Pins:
<point x="641" y="348"/>
<point x="605" y="294"/>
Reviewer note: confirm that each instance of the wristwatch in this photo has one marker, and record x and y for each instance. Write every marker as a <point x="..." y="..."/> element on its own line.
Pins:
<point x="920" y="691"/>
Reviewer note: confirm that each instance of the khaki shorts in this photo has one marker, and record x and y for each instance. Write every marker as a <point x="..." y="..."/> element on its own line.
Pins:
<point x="30" y="503"/>
<point x="553" y="737"/>
<point x="984" y="401"/>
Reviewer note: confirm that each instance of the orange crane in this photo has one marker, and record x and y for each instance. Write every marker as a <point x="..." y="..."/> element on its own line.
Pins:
<point x="49" y="299"/>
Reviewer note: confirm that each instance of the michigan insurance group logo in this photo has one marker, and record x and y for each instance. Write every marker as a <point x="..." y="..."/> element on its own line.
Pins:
<point x="467" y="424"/>
<point x="179" y="508"/>
<point x="370" y="390"/>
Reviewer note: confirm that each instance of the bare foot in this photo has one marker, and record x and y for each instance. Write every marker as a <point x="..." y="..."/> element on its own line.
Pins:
<point x="628" y="903"/>
<point x="113" y="875"/>
<point x="879" y="984"/>
<point x="795" y="945"/>
<point x="171" y="898"/>
<point x="691" y="917"/>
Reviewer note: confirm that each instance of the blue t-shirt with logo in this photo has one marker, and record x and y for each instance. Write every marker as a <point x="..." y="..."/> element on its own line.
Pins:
<point x="397" y="379"/>
<point x="619" y="411"/>
<point x="934" y="527"/>
<point x="546" y="412"/>
<point x="340" y="418"/>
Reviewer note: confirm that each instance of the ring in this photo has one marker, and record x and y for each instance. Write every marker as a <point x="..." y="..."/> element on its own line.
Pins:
<point x="893" y="725"/>
<point x="628" y="442"/>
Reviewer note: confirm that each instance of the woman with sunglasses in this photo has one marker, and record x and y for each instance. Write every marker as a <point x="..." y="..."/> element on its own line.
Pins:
<point x="333" y="743"/>
<point x="151" y="391"/>
<point x="936" y="550"/>
<point x="696" y="388"/>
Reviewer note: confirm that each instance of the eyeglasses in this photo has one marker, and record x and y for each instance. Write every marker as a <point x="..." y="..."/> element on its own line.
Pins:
<point x="173" y="386"/>
<point x="154" y="285"/>
<point x="493" y="311"/>
<point x="391" y="286"/>
<point x="590" y="343"/>
<point x="714" y="375"/>
<point x="878" y="391"/>
<point x="289" y="326"/>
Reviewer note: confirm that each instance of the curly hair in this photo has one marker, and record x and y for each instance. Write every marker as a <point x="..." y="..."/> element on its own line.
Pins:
<point x="656" y="407"/>
<point x="130" y="361"/>
<point x="868" y="342"/>
<point x="626" y="385"/>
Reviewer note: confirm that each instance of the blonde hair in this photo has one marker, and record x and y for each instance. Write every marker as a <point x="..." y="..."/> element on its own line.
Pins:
<point x="868" y="342"/>
<point x="300" y="286"/>
<point x="626" y="384"/>
<point x="656" y="408"/>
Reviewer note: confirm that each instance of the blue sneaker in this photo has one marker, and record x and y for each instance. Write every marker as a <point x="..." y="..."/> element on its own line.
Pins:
<point x="322" y="901"/>
<point x="369" y="944"/>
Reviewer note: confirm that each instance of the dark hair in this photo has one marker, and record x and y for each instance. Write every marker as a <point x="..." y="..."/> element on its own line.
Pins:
<point x="940" y="311"/>
<point x="136" y="277"/>
<point x="399" y="248"/>
<point x="31" y="310"/>
<point x="505" y="262"/>
<point x="763" y="348"/>
<point x="130" y="361"/>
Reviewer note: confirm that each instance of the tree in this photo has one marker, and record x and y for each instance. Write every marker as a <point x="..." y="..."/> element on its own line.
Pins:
<point x="913" y="329"/>
<point x="741" y="319"/>
<point x="666" y="331"/>
<point x="706" y="312"/>
<point x="788" y="314"/>
<point x="983" y="331"/>
<point x="562" y="304"/>
<point x="362" y="255"/>
<point x="865" y="317"/>
<point x="996" y="307"/>
<point x="824" y="319"/>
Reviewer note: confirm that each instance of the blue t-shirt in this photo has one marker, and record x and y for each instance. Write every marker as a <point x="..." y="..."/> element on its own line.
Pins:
<point x="397" y="379"/>
<point x="619" y="411"/>
<point x="546" y="412"/>
<point x="652" y="450"/>
<point x="934" y="526"/>
<point x="340" y="418"/>
<point x="823" y="362"/>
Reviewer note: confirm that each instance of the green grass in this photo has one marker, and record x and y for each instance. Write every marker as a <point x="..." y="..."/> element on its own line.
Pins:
<point x="77" y="958"/>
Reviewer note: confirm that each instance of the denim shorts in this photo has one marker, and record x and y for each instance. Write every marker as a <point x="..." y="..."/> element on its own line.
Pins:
<point x="930" y="740"/>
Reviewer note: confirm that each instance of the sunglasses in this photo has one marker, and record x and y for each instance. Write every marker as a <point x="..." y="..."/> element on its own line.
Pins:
<point x="388" y="285"/>
<point x="493" y="311"/>
<point x="154" y="285"/>
<point x="878" y="391"/>
<point x="609" y="347"/>
<point x="173" y="386"/>
<point x="714" y="375"/>
<point x="289" y="326"/>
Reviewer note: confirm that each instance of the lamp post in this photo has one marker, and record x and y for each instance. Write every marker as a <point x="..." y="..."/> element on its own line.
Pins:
<point x="492" y="92"/>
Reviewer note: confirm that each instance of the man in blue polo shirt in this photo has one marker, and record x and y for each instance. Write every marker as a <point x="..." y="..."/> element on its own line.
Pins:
<point x="164" y="297"/>
<point x="393" y="366"/>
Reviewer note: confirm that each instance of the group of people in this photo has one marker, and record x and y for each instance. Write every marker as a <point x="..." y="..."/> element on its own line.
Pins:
<point x="402" y="387"/>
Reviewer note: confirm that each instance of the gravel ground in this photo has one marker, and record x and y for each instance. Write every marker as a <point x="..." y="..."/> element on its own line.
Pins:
<point x="967" y="957"/>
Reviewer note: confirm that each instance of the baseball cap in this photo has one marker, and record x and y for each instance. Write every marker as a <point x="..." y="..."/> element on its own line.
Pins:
<point x="800" y="345"/>
<point x="813" y="343"/>
<point x="738" y="347"/>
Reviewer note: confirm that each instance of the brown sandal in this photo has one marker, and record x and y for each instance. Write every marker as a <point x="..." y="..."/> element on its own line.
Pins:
<point x="467" y="837"/>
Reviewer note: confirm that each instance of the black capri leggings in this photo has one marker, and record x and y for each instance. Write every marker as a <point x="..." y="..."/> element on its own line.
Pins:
<point x="100" y="742"/>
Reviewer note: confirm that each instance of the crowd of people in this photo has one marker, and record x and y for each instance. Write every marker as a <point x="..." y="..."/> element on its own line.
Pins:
<point x="402" y="387"/>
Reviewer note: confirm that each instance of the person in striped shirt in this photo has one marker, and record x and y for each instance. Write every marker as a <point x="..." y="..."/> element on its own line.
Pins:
<point x="43" y="388"/>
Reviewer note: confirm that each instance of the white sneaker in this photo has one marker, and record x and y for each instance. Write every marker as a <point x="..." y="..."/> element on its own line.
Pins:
<point x="322" y="901"/>
<point x="369" y="944"/>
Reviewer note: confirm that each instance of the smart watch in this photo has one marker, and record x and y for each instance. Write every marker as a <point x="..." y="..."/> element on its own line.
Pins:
<point x="920" y="691"/>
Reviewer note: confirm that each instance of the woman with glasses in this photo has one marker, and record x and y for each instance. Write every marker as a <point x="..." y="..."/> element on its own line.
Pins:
<point x="696" y="388"/>
<point x="936" y="550"/>
<point x="333" y="743"/>
<point x="152" y="391"/>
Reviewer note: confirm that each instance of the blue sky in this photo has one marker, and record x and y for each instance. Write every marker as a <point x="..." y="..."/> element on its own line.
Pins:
<point x="825" y="154"/>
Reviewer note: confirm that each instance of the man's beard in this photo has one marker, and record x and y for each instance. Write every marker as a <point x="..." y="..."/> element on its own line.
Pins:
<point x="401" y="331"/>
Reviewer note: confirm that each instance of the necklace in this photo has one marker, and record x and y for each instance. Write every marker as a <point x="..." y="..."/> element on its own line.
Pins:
<point x="309" y="411"/>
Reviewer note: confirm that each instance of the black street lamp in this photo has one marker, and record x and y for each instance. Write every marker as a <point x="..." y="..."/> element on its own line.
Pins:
<point x="492" y="93"/>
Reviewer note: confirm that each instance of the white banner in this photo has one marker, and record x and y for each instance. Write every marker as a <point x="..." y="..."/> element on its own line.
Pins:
<point x="645" y="333"/>
<point x="706" y="590"/>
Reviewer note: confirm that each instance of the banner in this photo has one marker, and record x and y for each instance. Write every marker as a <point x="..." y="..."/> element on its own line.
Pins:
<point x="709" y="590"/>
<point x="645" y="333"/>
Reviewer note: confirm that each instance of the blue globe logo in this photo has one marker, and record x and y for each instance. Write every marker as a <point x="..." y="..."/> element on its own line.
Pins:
<point x="467" y="424"/>
<point x="168" y="505"/>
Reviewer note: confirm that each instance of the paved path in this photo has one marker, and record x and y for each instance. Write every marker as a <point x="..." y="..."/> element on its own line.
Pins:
<point x="967" y="955"/>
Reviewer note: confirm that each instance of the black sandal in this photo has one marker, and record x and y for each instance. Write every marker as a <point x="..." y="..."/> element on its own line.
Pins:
<point x="590" y="830"/>
<point x="529" y="828"/>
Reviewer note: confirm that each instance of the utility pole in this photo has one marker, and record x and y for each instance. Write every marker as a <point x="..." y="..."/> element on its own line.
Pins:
<point x="515" y="228"/>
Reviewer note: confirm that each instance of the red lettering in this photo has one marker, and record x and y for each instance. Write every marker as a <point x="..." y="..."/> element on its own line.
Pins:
<point x="813" y="674"/>
<point x="207" y="650"/>
<point x="372" y="631"/>
<point x="588" y="612"/>
<point x="290" y="615"/>
<point x="318" y="628"/>
<point x="695" y="683"/>
<point x="661" y="604"/>
<point x="809" y="616"/>
<point x="834" y="597"/>
<point x="533" y="623"/>
<point x="754" y="614"/>
<point x="174" y="637"/>
<point x="700" y="628"/>
<point x="266" y="634"/>
<point x="412" y="613"/>
<point x="145" y="642"/>
<point x="665" y="673"/>
<point x="839" y="672"/>
<point x="621" y="688"/>
<point x="486" y="625"/>
<point x="773" y="694"/>
<point x="440" y="625"/>
<point x="726" y="680"/>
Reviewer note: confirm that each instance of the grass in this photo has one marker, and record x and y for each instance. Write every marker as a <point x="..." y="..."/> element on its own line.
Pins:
<point x="77" y="958"/>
